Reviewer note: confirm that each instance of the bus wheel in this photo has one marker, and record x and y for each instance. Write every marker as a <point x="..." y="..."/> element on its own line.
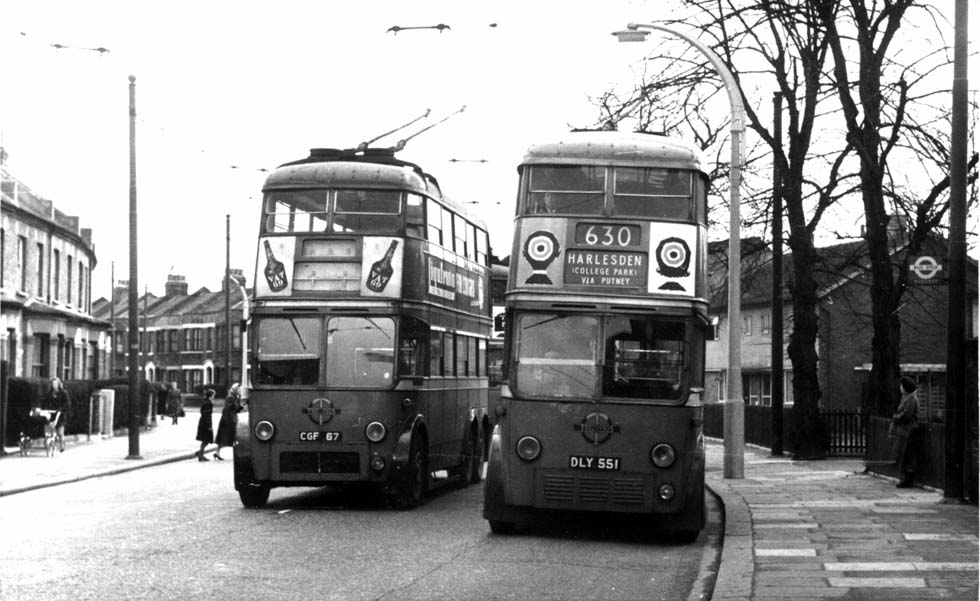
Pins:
<point x="498" y="527"/>
<point x="417" y="482"/>
<point x="254" y="497"/>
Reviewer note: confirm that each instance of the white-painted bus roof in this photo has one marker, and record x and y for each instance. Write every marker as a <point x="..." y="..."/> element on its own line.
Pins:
<point x="615" y="148"/>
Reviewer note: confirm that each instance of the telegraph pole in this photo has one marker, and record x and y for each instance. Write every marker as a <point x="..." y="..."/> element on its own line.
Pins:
<point x="776" y="323"/>
<point x="953" y="487"/>
<point x="133" y="333"/>
<point x="227" y="288"/>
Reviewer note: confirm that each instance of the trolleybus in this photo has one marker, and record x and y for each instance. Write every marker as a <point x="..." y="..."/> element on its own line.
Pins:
<point x="369" y="331"/>
<point x="606" y="320"/>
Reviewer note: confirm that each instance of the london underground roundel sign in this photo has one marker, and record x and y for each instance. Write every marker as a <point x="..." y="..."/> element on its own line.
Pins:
<point x="927" y="268"/>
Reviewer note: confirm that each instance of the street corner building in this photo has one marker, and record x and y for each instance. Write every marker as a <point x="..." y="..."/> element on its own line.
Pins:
<point x="47" y="328"/>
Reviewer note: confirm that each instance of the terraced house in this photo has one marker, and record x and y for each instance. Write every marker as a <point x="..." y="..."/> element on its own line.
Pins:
<point x="47" y="327"/>
<point x="183" y="335"/>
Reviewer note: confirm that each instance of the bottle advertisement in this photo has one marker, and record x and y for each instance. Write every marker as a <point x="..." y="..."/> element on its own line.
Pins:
<point x="275" y="266"/>
<point x="381" y="266"/>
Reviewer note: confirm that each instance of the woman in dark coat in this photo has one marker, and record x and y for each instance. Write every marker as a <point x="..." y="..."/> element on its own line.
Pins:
<point x="903" y="432"/>
<point x="228" y="422"/>
<point x="205" y="431"/>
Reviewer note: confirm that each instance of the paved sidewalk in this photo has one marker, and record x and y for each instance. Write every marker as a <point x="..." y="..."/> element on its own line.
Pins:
<point x="814" y="530"/>
<point x="88" y="458"/>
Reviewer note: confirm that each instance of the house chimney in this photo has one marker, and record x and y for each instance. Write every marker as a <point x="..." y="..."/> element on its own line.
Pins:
<point x="120" y="290"/>
<point x="176" y="286"/>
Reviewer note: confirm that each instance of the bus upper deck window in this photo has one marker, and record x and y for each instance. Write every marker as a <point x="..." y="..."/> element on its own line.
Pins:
<point x="566" y="189"/>
<point x="414" y="215"/>
<point x="655" y="193"/>
<point x="367" y="211"/>
<point x="295" y="211"/>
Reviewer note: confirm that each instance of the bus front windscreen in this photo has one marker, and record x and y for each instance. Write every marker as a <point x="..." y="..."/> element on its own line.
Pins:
<point x="644" y="358"/>
<point x="360" y="351"/>
<point x="288" y="351"/>
<point x="582" y="356"/>
<point x="556" y="355"/>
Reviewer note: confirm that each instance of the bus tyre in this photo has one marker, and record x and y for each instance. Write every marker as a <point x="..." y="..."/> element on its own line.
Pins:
<point x="499" y="527"/>
<point x="254" y="497"/>
<point x="417" y="482"/>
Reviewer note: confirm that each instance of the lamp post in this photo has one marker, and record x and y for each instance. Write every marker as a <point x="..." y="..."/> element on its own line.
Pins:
<point x="734" y="406"/>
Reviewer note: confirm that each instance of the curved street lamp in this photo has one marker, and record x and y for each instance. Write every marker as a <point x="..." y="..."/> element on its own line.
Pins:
<point x="734" y="406"/>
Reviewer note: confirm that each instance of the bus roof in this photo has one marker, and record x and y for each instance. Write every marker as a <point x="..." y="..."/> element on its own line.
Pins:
<point x="368" y="168"/>
<point x="614" y="148"/>
<point x="345" y="168"/>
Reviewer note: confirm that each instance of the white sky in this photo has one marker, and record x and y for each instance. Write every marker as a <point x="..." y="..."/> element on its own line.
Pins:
<point x="222" y="83"/>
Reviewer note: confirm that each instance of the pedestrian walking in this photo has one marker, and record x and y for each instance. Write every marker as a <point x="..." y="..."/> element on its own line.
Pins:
<point x="904" y="432"/>
<point x="228" y="422"/>
<point x="58" y="399"/>
<point x="205" y="430"/>
<point x="175" y="404"/>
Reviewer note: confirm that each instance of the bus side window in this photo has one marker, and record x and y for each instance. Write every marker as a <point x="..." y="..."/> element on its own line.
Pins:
<point x="435" y="354"/>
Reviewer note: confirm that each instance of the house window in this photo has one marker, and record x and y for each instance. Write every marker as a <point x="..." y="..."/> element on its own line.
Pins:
<point x="68" y="287"/>
<point x="93" y="362"/>
<point x="22" y="262"/>
<point x="56" y="265"/>
<point x="81" y="285"/>
<point x="40" y="270"/>
<point x="42" y="356"/>
<point x="747" y="325"/>
<point x="757" y="389"/>
<point x="766" y="323"/>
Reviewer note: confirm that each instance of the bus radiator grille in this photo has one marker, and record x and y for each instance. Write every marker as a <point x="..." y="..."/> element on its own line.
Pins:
<point x="568" y="489"/>
<point x="312" y="462"/>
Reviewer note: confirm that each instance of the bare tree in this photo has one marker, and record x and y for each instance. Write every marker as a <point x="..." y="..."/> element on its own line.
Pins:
<point x="793" y="48"/>
<point x="877" y="99"/>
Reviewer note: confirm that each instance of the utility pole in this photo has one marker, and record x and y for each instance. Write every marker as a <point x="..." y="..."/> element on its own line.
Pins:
<point x="776" y="323"/>
<point x="133" y="333"/>
<point x="227" y="288"/>
<point x="953" y="486"/>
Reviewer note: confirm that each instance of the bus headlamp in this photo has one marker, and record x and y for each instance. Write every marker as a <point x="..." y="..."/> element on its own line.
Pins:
<point x="666" y="491"/>
<point x="663" y="455"/>
<point x="264" y="430"/>
<point x="528" y="448"/>
<point x="375" y="431"/>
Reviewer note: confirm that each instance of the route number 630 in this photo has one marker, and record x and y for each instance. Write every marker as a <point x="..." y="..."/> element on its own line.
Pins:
<point x="608" y="235"/>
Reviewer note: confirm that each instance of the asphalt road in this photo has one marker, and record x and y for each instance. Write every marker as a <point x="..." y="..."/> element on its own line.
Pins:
<point x="178" y="531"/>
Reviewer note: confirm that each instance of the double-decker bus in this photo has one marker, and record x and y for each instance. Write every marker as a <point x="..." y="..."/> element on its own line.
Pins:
<point x="368" y="333"/>
<point x="606" y="320"/>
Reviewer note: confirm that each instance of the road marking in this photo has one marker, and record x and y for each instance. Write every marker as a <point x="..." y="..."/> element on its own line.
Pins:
<point x="941" y="537"/>
<point x="786" y="552"/>
<point x="900" y="566"/>
<point x="878" y="582"/>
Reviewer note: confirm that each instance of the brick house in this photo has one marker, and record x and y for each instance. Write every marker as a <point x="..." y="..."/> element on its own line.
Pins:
<point x="182" y="335"/>
<point x="46" y="260"/>
<point x="844" y="338"/>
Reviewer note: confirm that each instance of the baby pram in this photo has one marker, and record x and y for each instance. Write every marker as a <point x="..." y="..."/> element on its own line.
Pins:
<point x="39" y="430"/>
